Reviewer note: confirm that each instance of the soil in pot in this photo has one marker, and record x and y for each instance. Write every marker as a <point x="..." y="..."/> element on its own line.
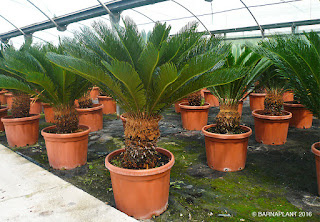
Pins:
<point x="226" y="152"/>
<point x="194" y="117"/>
<point x="21" y="131"/>
<point x="141" y="193"/>
<point x="257" y="101"/>
<point x="35" y="106"/>
<point x="48" y="113"/>
<point x="109" y="105"/>
<point x="66" y="151"/>
<point x="301" y="117"/>
<point x="9" y="99"/>
<point x="94" y="93"/>
<point x="271" y="130"/>
<point x="92" y="117"/>
<point x="3" y="113"/>
<point x="210" y="98"/>
<point x="315" y="148"/>
<point x="3" y="99"/>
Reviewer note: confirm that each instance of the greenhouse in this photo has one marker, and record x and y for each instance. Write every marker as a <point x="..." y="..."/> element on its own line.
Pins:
<point x="160" y="110"/>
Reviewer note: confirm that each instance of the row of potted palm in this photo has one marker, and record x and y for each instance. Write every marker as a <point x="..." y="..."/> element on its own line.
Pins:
<point x="145" y="76"/>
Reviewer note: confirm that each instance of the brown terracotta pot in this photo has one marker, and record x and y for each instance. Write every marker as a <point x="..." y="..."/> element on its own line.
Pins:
<point x="226" y="152"/>
<point x="288" y="96"/>
<point x="257" y="101"/>
<point x="9" y="98"/>
<point x="48" y="113"/>
<point x="271" y="130"/>
<point x="240" y="107"/>
<point x="3" y="99"/>
<point x="301" y="117"/>
<point x="109" y="105"/>
<point x="194" y="117"/>
<point x="123" y="118"/>
<point x="92" y="117"/>
<point x="66" y="151"/>
<point x="21" y="131"/>
<point x="315" y="149"/>
<point x="35" y="106"/>
<point x="95" y="92"/>
<point x="141" y="193"/>
<point x="177" y="107"/>
<point x="211" y="99"/>
<point x="3" y="113"/>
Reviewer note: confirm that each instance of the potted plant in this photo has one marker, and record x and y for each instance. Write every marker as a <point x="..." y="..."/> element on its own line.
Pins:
<point x="90" y="114"/>
<point x="226" y="141"/>
<point x="145" y="76"/>
<point x="301" y="116"/>
<point x="271" y="124"/>
<point x="109" y="105"/>
<point x="176" y="105"/>
<point x="3" y="97"/>
<point x="194" y="112"/>
<point x="288" y="96"/>
<point x="3" y="113"/>
<point x="94" y="92"/>
<point x="30" y="71"/>
<point x="35" y="106"/>
<point x="297" y="57"/>
<point x="9" y="99"/>
<point x="22" y="128"/>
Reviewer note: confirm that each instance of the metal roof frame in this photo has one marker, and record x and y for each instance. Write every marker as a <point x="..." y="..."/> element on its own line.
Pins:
<point x="64" y="20"/>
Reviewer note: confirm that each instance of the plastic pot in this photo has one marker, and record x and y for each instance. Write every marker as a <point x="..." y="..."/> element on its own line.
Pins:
<point x="109" y="105"/>
<point x="210" y="98"/>
<point x="315" y="149"/>
<point x="271" y="130"/>
<point x="301" y="117"/>
<point x="194" y="117"/>
<point x="257" y="101"/>
<point x="21" y="131"/>
<point x="92" y="117"/>
<point x="141" y="193"/>
<point x="226" y="152"/>
<point x="66" y="151"/>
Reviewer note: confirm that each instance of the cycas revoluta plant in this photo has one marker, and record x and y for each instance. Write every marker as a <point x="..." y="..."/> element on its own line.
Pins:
<point x="229" y="95"/>
<point x="297" y="58"/>
<point x="195" y="99"/>
<point x="29" y="71"/>
<point x="145" y="76"/>
<point x="85" y="101"/>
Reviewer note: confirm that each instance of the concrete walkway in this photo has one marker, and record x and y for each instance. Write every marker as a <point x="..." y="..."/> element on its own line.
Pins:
<point x="30" y="193"/>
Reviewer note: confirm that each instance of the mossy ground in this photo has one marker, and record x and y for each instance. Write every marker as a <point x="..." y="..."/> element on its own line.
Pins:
<point x="276" y="178"/>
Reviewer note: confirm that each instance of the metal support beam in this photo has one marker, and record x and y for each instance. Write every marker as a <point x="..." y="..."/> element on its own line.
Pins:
<point x="92" y="12"/>
<point x="269" y="26"/>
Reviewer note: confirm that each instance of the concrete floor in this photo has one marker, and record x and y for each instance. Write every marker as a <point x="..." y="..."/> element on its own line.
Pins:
<point x="30" y="193"/>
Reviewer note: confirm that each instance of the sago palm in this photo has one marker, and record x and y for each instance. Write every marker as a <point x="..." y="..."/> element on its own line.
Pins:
<point x="29" y="71"/>
<point x="298" y="59"/>
<point x="229" y="95"/>
<point x="145" y="76"/>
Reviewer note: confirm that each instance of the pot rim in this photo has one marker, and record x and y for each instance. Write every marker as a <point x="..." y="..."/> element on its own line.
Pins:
<point x="257" y="94"/>
<point x="144" y="172"/>
<point x="8" y="94"/>
<point x="259" y="116"/>
<point x="314" y="149"/>
<point x="293" y="105"/>
<point x="183" y="106"/>
<point x="3" y="108"/>
<point x="105" y="97"/>
<point x="95" y="87"/>
<point x="227" y="136"/>
<point x="122" y="116"/>
<point x="10" y="119"/>
<point x="65" y="135"/>
<point x="94" y="108"/>
<point x="47" y="105"/>
<point x="207" y="91"/>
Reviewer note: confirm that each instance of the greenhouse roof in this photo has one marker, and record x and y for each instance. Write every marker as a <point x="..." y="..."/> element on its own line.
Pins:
<point x="237" y="18"/>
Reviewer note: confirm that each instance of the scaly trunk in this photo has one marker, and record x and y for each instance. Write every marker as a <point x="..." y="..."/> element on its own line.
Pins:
<point x="20" y="105"/>
<point x="228" y="119"/>
<point x="85" y="101"/>
<point x="273" y="102"/>
<point x="195" y="99"/>
<point x="141" y="135"/>
<point x="66" y="119"/>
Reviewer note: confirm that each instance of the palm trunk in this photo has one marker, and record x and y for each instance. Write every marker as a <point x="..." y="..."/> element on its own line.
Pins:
<point x="228" y="119"/>
<point x="66" y="119"/>
<point x="273" y="102"/>
<point x="141" y="135"/>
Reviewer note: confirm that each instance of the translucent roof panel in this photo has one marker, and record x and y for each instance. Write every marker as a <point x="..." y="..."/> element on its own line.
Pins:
<point x="215" y="15"/>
